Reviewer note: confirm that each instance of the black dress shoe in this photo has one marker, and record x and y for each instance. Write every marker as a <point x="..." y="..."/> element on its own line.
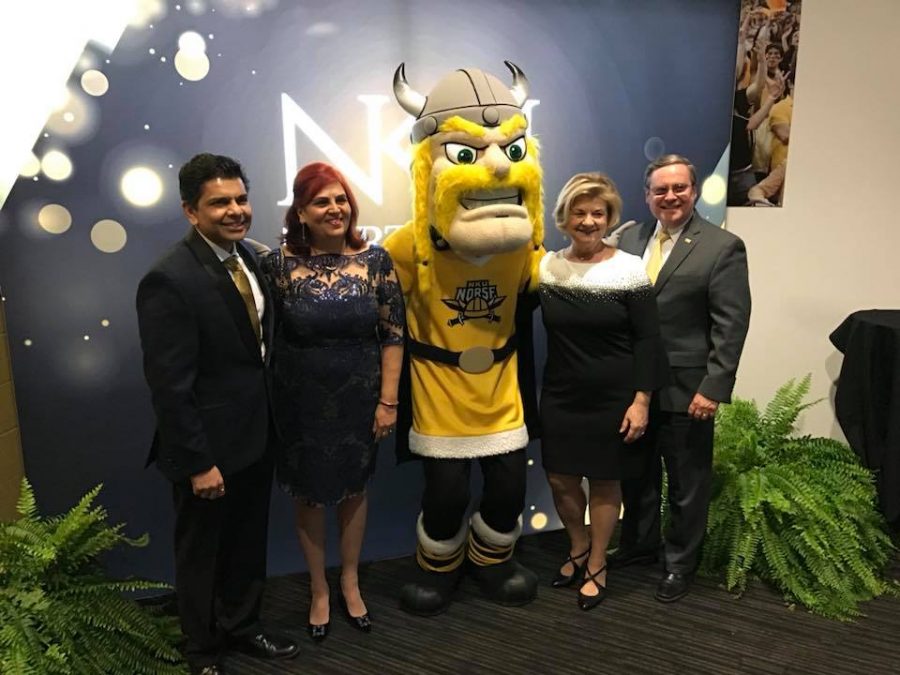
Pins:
<point x="588" y="602"/>
<point x="214" y="669"/>
<point x="673" y="586"/>
<point x="268" y="646"/>
<point x="363" y="623"/>
<point x="562" y="580"/>
<point x="623" y="557"/>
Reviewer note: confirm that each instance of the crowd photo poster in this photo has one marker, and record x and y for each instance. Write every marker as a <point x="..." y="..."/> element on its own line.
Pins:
<point x="765" y="72"/>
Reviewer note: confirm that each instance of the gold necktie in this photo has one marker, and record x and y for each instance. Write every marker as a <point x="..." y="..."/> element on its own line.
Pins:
<point x="655" y="261"/>
<point x="243" y="285"/>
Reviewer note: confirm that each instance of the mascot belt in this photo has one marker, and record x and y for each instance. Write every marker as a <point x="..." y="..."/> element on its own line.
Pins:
<point x="472" y="360"/>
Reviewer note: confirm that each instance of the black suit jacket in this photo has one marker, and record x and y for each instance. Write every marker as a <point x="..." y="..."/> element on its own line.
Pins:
<point x="703" y="296"/>
<point x="208" y="380"/>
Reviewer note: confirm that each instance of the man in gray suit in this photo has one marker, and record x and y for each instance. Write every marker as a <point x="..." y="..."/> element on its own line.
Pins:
<point x="699" y="272"/>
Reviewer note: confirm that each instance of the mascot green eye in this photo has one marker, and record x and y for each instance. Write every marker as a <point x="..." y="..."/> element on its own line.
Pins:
<point x="516" y="150"/>
<point x="460" y="154"/>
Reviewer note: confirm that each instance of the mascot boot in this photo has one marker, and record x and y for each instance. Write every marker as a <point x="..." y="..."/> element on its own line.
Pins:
<point x="439" y="567"/>
<point x="498" y="575"/>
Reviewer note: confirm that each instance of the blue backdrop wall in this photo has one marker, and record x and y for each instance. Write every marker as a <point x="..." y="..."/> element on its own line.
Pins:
<point x="613" y="84"/>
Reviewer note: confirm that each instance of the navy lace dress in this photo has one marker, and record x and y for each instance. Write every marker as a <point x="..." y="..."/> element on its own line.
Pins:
<point x="335" y="312"/>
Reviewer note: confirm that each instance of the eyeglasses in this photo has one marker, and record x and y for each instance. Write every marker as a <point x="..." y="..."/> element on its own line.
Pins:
<point x="680" y="189"/>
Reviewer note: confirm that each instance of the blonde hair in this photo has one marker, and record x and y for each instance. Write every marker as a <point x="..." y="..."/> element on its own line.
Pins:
<point x="421" y="177"/>
<point x="588" y="185"/>
<point x="422" y="186"/>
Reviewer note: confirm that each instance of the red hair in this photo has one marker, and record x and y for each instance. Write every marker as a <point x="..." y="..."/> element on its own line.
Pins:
<point x="311" y="180"/>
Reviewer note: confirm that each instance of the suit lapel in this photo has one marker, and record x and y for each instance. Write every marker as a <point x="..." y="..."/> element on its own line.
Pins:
<point x="685" y="245"/>
<point x="225" y="287"/>
<point x="635" y="240"/>
<point x="644" y="233"/>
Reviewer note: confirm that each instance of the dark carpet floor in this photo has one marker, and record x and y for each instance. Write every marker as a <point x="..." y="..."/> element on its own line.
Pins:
<point x="709" y="631"/>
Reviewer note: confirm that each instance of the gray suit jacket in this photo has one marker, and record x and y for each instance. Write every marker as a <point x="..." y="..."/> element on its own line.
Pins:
<point x="703" y="296"/>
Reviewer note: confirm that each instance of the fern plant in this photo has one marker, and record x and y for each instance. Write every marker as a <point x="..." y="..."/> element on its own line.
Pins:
<point x="798" y="512"/>
<point x="59" y="614"/>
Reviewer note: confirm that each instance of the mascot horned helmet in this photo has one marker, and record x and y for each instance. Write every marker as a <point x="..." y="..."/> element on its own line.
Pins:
<point x="476" y="174"/>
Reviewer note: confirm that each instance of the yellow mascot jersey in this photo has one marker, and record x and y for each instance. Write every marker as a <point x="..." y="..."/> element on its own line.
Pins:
<point x="458" y="414"/>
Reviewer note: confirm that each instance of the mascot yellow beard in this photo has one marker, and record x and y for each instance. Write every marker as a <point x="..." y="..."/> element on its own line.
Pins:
<point x="472" y="248"/>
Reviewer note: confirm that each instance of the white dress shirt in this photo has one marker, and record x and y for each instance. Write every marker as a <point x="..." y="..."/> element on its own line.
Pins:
<point x="667" y="246"/>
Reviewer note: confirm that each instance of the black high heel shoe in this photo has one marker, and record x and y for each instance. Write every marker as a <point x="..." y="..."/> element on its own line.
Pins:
<point x="562" y="580"/>
<point x="588" y="602"/>
<point x="362" y="623"/>
<point x="318" y="631"/>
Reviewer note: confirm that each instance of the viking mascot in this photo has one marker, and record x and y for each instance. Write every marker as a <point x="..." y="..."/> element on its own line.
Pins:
<point x="472" y="248"/>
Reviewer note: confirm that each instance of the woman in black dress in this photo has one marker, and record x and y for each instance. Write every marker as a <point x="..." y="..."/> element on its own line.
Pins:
<point x="604" y="358"/>
<point x="339" y="348"/>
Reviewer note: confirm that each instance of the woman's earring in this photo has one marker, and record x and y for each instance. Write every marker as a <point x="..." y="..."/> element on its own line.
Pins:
<point x="303" y="233"/>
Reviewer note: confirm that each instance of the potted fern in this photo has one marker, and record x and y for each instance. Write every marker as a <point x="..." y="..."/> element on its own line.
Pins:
<point x="59" y="614"/>
<point x="796" y="511"/>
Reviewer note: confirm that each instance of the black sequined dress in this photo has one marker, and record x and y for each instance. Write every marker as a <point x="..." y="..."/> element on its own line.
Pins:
<point x="335" y="312"/>
<point x="603" y="344"/>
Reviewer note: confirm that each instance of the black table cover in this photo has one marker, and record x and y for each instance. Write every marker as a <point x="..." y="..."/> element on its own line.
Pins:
<point x="867" y="401"/>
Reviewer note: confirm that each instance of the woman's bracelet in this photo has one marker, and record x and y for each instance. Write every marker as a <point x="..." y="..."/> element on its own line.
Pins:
<point x="388" y="405"/>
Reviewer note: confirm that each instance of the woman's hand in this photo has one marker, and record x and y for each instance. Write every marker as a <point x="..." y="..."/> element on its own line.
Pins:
<point x="385" y="421"/>
<point x="634" y="424"/>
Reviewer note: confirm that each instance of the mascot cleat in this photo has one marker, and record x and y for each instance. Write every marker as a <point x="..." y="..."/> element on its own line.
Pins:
<point x="500" y="577"/>
<point x="438" y="569"/>
<point x="507" y="583"/>
<point x="429" y="593"/>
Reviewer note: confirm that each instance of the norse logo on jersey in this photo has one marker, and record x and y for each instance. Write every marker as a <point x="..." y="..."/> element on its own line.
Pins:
<point x="476" y="300"/>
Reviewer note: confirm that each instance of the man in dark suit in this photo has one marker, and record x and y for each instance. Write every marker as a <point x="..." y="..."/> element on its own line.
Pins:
<point x="206" y="323"/>
<point x="699" y="272"/>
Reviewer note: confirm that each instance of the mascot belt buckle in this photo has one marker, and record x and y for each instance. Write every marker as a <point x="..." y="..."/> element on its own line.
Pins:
<point x="476" y="360"/>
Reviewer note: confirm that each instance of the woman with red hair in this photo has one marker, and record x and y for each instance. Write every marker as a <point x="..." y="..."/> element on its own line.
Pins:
<point x="338" y="353"/>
